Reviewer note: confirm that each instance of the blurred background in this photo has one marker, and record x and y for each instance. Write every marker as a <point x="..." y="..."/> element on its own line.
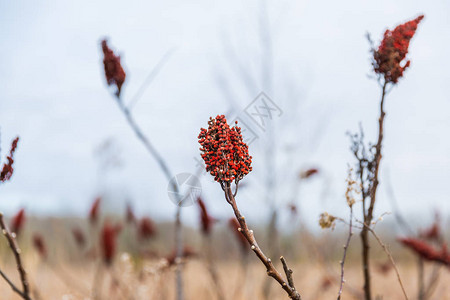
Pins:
<point x="207" y="58"/>
<point x="186" y="61"/>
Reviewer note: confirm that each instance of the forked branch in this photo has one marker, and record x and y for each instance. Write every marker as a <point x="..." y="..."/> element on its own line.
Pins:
<point x="287" y="285"/>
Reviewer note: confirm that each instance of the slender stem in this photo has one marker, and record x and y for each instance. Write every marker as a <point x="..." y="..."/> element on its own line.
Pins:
<point x="152" y="75"/>
<point x="25" y="294"/>
<point x="165" y="169"/>
<point x="11" y="284"/>
<point x="432" y="281"/>
<point x="386" y="250"/>
<point x="288" y="285"/>
<point x="347" y="243"/>
<point x="148" y="145"/>
<point x="178" y="253"/>
<point x="421" y="283"/>
<point x="368" y="216"/>
<point x="378" y="146"/>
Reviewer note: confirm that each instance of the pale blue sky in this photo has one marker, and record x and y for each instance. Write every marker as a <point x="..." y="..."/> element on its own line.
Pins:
<point x="53" y="95"/>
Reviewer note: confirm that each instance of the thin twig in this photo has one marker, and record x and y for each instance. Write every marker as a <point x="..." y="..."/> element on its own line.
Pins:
<point x="394" y="204"/>
<point x="152" y="75"/>
<point x="288" y="272"/>
<point x="432" y="281"/>
<point x="16" y="251"/>
<point x="165" y="169"/>
<point x="373" y="184"/>
<point x="11" y="284"/>
<point x="249" y="236"/>
<point x="386" y="250"/>
<point x="350" y="233"/>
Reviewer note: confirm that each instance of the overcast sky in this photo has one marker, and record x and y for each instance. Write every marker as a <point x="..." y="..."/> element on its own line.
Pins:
<point x="53" y="95"/>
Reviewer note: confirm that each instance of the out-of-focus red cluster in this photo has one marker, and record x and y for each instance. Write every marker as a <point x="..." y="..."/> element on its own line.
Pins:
<point x="224" y="151"/>
<point x="432" y="233"/>
<point x="94" y="211"/>
<point x="309" y="173"/>
<point x="146" y="228"/>
<point x="114" y="72"/>
<point x="427" y="251"/>
<point x="7" y="169"/>
<point x="327" y="282"/>
<point x="234" y="226"/>
<point x="18" y="221"/>
<point x="384" y="267"/>
<point x="206" y="220"/>
<point x="108" y="242"/>
<point x="39" y="244"/>
<point x="388" y="58"/>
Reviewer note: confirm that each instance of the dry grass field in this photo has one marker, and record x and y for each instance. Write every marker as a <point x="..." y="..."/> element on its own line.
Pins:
<point x="122" y="282"/>
<point x="141" y="272"/>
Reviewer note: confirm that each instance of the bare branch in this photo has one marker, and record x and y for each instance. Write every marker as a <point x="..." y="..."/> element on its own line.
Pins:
<point x="25" y="294"/>
<point x="288" y="272"/>
<point x="11" y="284"/>
<point x="350" y="233"/>
<point x="249" y="236"/>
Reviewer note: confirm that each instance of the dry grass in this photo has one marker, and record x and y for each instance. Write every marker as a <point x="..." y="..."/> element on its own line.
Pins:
<point x="69" y="273"/>
<point x="75" y="281"/>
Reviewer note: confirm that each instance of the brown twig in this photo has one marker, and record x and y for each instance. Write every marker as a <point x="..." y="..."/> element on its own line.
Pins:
<point x="369" y="167"/>
<point x="288" y="272"/>
<point x="288" y="285"/>
<point x="372" y="192"/>
<point x="344" y="256"/>
<point x="12" y="285"/>
<point x="25" y="293"/>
